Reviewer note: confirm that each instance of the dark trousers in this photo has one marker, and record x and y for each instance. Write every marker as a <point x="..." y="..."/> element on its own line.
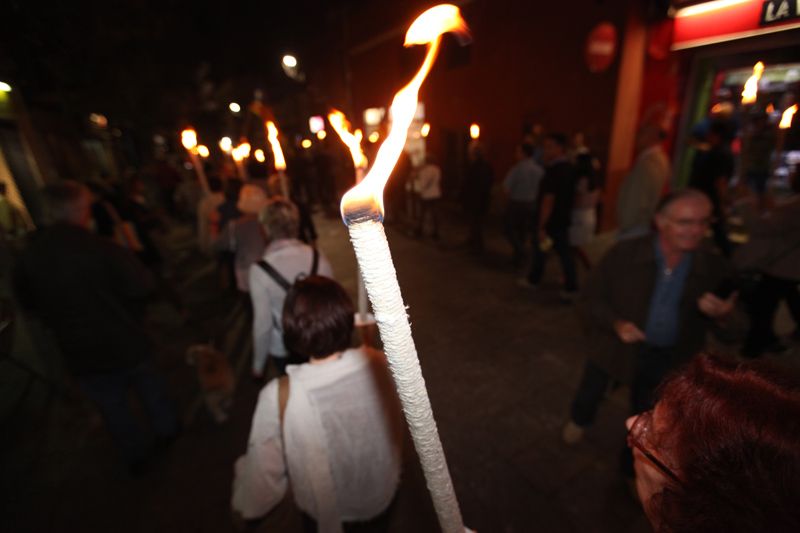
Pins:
<point x="591" y="390"/>
<point x="563" y="248"/>
<point x="379" y="524"/>
<point x="110" y="392"/>
<point x="762" y="305"/>
<point x="428" y="209"/>
<point x="652" y="366"/>
<point x="518" y="226"/>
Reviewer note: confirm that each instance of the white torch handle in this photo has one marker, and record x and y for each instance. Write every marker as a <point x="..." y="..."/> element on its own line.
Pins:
<point x="375" y="260"/>
<point x="201" y="173"/>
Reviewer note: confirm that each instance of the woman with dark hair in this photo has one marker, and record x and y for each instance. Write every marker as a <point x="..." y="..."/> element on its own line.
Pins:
<point x="332" y="425"/>
<point x="721" y="449"/>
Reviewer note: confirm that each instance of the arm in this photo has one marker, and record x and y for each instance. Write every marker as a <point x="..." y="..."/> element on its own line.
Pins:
<point x="262" y="318"/>
<point x="260" y="478"/>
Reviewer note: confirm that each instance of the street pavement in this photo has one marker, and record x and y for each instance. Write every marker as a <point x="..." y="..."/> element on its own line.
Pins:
<point x="500" y="362"/>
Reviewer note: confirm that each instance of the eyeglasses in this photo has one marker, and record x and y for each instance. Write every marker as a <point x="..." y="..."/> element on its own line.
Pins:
<point x="638" y="433"/>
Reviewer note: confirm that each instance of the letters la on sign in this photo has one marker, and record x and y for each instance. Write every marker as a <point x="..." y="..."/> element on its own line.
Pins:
<point x="779" y="11"/>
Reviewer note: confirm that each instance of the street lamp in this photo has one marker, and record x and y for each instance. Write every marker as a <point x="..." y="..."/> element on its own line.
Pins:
<point x="234" y="107"/>
<point x="4" y="87"/>
<point x="289" y="61"/>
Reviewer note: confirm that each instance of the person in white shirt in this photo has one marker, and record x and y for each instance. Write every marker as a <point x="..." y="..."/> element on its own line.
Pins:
<point x="428" y="186"/>
<point x="333" y="426"/>
<point x="284" y="259"/>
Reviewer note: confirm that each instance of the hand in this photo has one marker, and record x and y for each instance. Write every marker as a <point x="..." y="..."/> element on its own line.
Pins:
<point x="714" y="306"/>
<point x="628" y="332"/>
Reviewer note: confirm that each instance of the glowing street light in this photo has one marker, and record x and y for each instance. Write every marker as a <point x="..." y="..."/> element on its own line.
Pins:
<point x="234" y="107"/>
<point x="289" y="61"/>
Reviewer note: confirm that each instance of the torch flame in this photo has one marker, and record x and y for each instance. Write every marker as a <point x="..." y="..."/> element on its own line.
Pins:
<point x="427" y="29"/>
<point x="277" y="152"/>
<point x="750" y="92"/>
<point x="352" y="140"/>
<point x="189" y="139"/>
<point x="786" y="118"/>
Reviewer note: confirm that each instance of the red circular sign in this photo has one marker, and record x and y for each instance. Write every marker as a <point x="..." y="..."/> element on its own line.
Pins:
<point x="601" y="47"/>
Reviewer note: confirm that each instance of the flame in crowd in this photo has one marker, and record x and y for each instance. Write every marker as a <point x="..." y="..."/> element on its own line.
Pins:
<point x="750" y="92"/>
<point x="237" y="153"/>
<point x="474" y="131"/>
<point x="427" y="29"/>
<point x="786" y="118"/>
<point x="277" y="152"/>
<point x="203" y="151"/>
<point x="352" y="140"/>
<point x="226" y="145"/>
<point x="189" y="139"/>
<point x="425" y="129"/>
<point x="259" y="155"/>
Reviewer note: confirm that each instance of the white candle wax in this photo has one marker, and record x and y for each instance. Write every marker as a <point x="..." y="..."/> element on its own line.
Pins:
<point x="375" y="262"/>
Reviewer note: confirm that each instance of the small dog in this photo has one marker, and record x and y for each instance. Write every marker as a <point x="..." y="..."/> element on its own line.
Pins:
<point x="215" y="377"/>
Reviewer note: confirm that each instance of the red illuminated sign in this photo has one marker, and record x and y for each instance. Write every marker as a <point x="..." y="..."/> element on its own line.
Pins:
<point x="726" y="20"/>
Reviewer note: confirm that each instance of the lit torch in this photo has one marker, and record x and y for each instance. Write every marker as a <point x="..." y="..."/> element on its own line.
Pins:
<point x="189" y="141"/>
<point x="353" y="143"/>
<point x="277" y="154"/>
<point x="786" y="117"/>
<point x="750" y="92"/>
<point x="362" y="211"/>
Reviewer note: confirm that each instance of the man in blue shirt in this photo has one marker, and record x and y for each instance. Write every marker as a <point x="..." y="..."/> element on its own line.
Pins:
<point x="649" y="305"/>
<point x="522" y="187"/>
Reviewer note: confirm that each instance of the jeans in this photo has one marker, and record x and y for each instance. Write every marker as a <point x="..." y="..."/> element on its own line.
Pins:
<point x="652" y="366"/>
<point x="519" y="222"/>
<point x="110" y="393"/>
<point x="591" y="390"/>
<point x="563" y="248"/>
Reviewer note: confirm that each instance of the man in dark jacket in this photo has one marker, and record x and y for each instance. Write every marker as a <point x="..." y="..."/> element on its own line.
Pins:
<point x="649" y="305"/>
<point x="91" y="293"/>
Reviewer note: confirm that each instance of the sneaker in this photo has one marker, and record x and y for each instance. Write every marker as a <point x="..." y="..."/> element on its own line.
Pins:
<point x="572" y="433"/>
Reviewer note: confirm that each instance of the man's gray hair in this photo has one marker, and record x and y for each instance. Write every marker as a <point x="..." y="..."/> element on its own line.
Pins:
<point x="67" y="201"/>
<point x="280" y="218"/>
<point x="681" y="194"/>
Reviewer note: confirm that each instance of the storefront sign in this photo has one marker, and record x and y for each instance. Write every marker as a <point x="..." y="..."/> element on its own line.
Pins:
<point x="726" y="20"/>
<point x="780" y="11"/>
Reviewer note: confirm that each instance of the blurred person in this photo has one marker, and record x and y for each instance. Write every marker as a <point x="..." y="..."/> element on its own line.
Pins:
<point x="332" y="426"/>
<point x="91" y="294"/>
<point x="644" y="185"/>
<point x="284" y="260"/>
<point x="207" y="229"/>
<point x="721" y="449"/>
<point x="300" y="171"/>
<point x="12" y="222"/>
<point x="712" y="169"/>
<point x="428" y="184"/>
<point x="521" y="185"/>
<point x="758" y="142"/>
<point x="554" y="215"/>
<point x="244" y="236"/>
<point x="326" y="179"/>
<point x="648" y="306"/>
<point x="772" y="257"/>
<point x="584" y="210"/>
<point x="477" y="195"/>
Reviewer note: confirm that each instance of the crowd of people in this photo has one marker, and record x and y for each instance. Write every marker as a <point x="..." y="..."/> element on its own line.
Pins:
<point x="714" y="443"/>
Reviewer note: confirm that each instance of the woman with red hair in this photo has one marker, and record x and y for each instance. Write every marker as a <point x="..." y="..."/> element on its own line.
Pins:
<point x="721" y="449"/>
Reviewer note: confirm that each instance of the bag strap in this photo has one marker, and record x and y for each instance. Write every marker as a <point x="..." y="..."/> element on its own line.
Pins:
<point x="315" y="262"/>
<point x="274" y="274"/>
<point x="283" y="399"/>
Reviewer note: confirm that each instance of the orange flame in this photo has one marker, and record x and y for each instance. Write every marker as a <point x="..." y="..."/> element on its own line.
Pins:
<point x="427" y="29"/>
<point x="189" y="139"/>
<point x="277" y="151"/>
<point x="352" y="140"/>
<point x="750" y="92"/>
<point x="474" y="131"/>
<point x="786" y="117"/>
<point x="203" y="151"/>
